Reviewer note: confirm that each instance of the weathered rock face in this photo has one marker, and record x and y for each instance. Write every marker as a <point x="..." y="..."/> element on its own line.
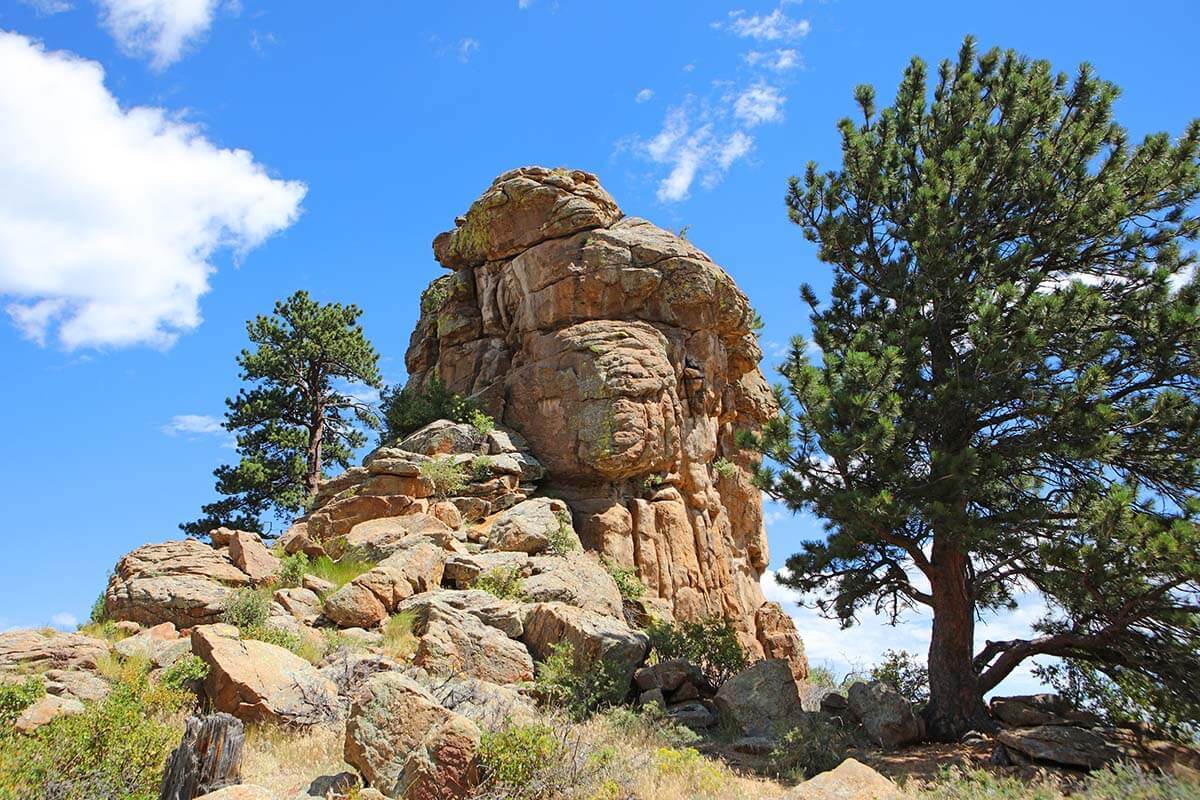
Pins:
<point x="625" y="357"/>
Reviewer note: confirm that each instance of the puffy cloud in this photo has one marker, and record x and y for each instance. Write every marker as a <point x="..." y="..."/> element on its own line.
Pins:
<point x="778" y="60"/>
<point x="109" y="241"/>
<point x="758" y="104"/>
<point x="158" y="29"/>
<point x="193" y="423"/>
<point x="64" y="619"/>
<point x="773" y="27"/>
<point x="644" y="96"/>
<point x="691" y="143"/>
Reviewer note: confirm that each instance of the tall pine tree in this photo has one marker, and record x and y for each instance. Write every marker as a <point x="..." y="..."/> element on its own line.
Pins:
<point x="1007" y="401"/>
<point x="299" y="416"/>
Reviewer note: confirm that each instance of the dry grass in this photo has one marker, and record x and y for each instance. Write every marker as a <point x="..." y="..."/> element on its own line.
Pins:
<point x="284" y="761"/>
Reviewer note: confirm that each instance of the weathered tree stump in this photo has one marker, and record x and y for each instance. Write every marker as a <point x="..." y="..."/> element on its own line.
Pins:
<point x="208" y="758"/>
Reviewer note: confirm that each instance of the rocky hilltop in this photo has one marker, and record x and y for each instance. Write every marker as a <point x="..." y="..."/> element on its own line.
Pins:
<point x="626" y="358"/>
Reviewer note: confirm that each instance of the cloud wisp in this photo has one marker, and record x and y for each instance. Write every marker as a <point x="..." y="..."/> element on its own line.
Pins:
<point x="158" y="30"/>
<point x="111" y="240"/>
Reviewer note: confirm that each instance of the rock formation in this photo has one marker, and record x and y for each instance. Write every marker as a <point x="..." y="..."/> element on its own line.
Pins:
<point x="626" y="358"/>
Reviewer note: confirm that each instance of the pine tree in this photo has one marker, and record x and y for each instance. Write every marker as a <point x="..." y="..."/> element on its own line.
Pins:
<point x="298" y="417"/>
<point x="1007" y="400"/>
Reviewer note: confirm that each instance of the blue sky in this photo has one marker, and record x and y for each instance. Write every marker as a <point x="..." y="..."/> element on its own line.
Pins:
<point x="172" y="167"/>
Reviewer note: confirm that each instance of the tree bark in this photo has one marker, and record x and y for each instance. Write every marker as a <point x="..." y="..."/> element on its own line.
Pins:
<point x="316" y="433"/>
<point x="955" y="699"/>
<point x="209" y="758"/>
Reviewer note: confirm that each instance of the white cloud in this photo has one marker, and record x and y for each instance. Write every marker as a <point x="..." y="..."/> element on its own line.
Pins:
<point x="644" y="96"/>
<point x="778" y="60"/>
<point x="1180" y="279"/>
<point x="109" y="241"/>
<point x="158" y="29"/>
<point x="466" y="47"/>
<point x="735" y="147"/>
<point x="64" y="619"/>
<point x="758" y="104"/>
<point x="48" y="7"/>
<point x="773" y="27"/>
<point x="192" y="423"/>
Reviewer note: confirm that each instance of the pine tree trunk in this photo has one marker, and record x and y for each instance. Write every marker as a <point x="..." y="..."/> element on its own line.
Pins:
<point x="312" y="473"/>
<point x="955" y="701"/>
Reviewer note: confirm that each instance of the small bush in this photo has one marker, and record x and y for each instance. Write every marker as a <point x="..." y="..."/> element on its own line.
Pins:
<point x="503" y="582"/>
<point x="481" y="467"/>
<point x="815" y="746"/>
<point x="398" y="639"/>
<point x="99" y="610"/>
<point x="446" y="476"/>
<point x="724" y="467"/>
<point x="579" y="686"/>
<point x="711" y="644"/>
<point x="115" y="749"/>
<point x="649" y="722"/>
<point x="904" y="673"/>
<point x="293" y="570"/>
<point x="185" y="672"/>
<point x="339" y="573"/>
<point x="247" y="609"/>
<point x="628" y="583"/>
<point x="699" y="775"/>
<point x="436" y="294"/>
<point x="481" y="422"/>
<point x="106" y="630"/>
<point x="407" y="409"/>
<point x="16" y="697"/>
<point x="562" y="538"/>
<point x="514" y="757"/>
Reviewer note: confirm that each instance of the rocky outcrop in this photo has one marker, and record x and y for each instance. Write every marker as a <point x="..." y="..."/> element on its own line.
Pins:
<point x="30" y="650"/>
<point x="185" y="583"/>
<point x="885" y="715"/>
<point x="626" y="359"/>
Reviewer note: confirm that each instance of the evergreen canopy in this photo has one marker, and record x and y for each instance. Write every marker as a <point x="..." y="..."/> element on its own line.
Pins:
<point x="1007" y="400"/>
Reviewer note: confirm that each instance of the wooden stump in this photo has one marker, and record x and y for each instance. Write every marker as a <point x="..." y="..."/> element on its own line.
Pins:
<point x="209" y="758"/>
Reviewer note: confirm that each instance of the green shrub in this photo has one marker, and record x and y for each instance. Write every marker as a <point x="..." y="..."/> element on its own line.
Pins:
<point x="16" y="697"/>
<point x="481" y="422"/>
<point x="340" y="572"/>
<point x="562" y="538"/>
<point x="398" y="639"/>
<point x="293" y="569"/>
<point x="247" y="609"/>
<point x="628" y="583"/>
<point x="701" y="777"/>
<point x="189" y="669"/>
<point x="903" y="672"/>
<point x="446" y="476"/>
<point x="649" y="722"/>
<point x="724" y="467"/>
<point x="408" y="409"/>
<point x="481" y="467"/>
<point x="817" y="745"/>
<point x="99" y="609"/>
<point x="579" y="686"/>
<point x="711" y="644"/>
<point x="513" y="758"/>
<point x="436" y="294"/>
<point x="115" y="749"/>
<point x="503" y="582"/>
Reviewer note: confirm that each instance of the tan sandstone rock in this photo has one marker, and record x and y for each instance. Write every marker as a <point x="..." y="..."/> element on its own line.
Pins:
<point x="454" y="642"/>
<point x="593" y="637"/>
<point x="257" y="681"/>
<point x="243" y="792"/>
<point x="44" y="710"/>
<point x="185" y="583"/>
<point x="32" y="650"/>
<point x="624" y="358"/>
<point x="850" y="780"/>
<point x="252" y="557"/>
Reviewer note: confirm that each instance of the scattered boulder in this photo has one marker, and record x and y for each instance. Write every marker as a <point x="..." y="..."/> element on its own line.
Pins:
<point x="444" y="438"/>
<point x="1061" y="744"/>
<point x="531" y="525"/>
<point x="301" y="603"/>
<point x="406" y="744"/>
<point x="185" y="583"/>
<point x="454" y="642"/>
<point x="761" y="700"/>
<point x="161" y="645"/>
<point x="34" y="650"/>
<point x="376" y="539"/>
<point x="594" y="637"/>
<point x="75" y="683"/>
<point x="462" y="570"/>
<point x="504" y="615"/>
<point x="44" y="710"/>
<point x="252" y="557"/>
<point x="850" y="780"/>
<point x="371" y="597"/>
<point x="577" y="579"/>
<point x="257" y="681"/>
<point x="490" y="706"/>
<point x="1038" y="709"/>
<point x="885" y="715"/>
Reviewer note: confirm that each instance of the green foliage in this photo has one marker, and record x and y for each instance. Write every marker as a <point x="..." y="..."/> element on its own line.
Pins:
<point x="562" y="539"/>
<point x="822" y="676"/>
<point x="513" y="757"/>
<point x="185" y="672"/>
<point x="292" y="570"/>
<point x="398" y="639"/>
<point x="903" y="672"/>
<point x="702" y="776"/>
<point x="410" y="408"/>
<point x="756" y="322"/>
<point x="481" y="422"/>
<point x="649" y="722"/>
<point x="628" y="583"/>
<point x="711" y="644"/>
<point x="436" y="294"/>
<point x="16" y="697"/>
<point x="1009" y="389"/>
<point x="817" y="745"/>
<point x="340" y="572"/>
<point x="247" y="608"/>
<point x="1118" y="782"/>
<point x="481" y="467"/>
<point x="115" y="749"/>
<point x="578" y="685"/>
<point x="503" y="582"/>
<point x="725" y="468"/>
<point x="446" y="475"/>
<point x="99" y="611"/>
<point x="299" y="415"/>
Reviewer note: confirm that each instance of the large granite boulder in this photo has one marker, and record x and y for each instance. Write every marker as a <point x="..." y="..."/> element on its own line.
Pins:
<point x="185" y="583"/>
<point x="850" y="780"/>
<point x="594" y="637"/>
<point x="885" y="715"/>
<point x="454" y="642"/>
<point x="625" y="359"/>
<point x="531" y="525"/>
<point x="1067" y="745"/>
<point x="26" y="650"/>
<point x="762" y="700"/>
<point x="407" y="744"/>
<point x="260" y="682"/>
